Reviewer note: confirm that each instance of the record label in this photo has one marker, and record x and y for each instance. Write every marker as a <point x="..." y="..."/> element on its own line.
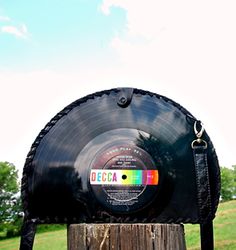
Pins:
<point x="124" y="178"/>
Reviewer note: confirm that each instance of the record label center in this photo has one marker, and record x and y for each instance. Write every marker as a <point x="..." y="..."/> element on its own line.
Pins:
<point x="121" y="175"/>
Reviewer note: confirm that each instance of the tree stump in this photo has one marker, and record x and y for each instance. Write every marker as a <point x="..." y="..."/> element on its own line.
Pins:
<point x="126" y="237"/>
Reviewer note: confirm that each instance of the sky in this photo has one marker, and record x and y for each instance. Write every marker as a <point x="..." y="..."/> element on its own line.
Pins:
<point x="55" y="52"/>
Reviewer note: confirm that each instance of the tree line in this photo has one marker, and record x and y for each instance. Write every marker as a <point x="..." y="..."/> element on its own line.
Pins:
<point x="10" y="202"/>
<point x="11" y="214"/>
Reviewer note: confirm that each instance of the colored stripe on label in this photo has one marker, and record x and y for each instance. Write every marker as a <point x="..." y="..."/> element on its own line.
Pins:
<point x="124" y="177"/>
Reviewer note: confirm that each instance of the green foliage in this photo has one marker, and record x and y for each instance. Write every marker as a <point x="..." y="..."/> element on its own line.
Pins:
<point x="10" y="202"/>
<point x="8" y="190"/>
<point x="228" y="183"/>
<point x="234" y="176"/>
<point x="8" y="178"/>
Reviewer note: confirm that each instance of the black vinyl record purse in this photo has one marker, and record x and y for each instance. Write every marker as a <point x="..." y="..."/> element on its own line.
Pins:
<point x="121" y="156"/>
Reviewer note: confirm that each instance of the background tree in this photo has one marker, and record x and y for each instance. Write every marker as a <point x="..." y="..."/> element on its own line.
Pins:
<point x="228" y="183"/>
<point x="10" y="207"/>
<point x="234" y="176"/>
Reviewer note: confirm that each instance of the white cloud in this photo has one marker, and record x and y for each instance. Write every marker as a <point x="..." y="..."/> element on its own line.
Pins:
<point x="188" y="49"/>
<point x="4" y="19"/>
<point x="144" y="17"/>
<point x="107" y="4"/>
<point x="19" y="32"/>
<point x="175" y="29"/>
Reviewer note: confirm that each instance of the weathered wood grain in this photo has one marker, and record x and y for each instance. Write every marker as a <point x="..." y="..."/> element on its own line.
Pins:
<point x="126" y="237"/>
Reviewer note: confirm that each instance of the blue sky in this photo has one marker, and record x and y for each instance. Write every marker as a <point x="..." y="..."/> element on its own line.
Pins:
<point x="54" y="52"/>
<point x="54" y="32"/>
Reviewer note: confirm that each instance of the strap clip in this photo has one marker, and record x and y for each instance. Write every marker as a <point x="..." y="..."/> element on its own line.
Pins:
<point x="199" y="141"/>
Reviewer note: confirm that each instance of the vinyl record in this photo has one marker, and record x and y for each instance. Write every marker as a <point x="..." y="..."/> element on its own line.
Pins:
<point x="107" y="159"/>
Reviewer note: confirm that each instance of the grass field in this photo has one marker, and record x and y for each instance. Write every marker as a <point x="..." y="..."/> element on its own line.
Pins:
<point x="224" y="231"/>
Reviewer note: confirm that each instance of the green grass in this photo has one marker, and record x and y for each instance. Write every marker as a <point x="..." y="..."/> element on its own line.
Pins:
<point x="224" y="231"/>
<point x="55" y="240"/>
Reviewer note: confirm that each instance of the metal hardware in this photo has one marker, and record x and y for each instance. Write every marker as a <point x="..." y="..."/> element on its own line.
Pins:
<point x="200" y="142"/>
<point x="199" y="134"/>
<point x="125" y="97"/>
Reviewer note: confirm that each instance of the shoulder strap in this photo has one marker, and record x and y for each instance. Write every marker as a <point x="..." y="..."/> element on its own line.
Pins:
<point x="27" y="234"/>
<point x="203" y="194"/>
<point x="207" y="237"/>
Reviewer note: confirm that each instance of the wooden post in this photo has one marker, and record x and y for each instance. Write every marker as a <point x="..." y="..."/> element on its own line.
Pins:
<point x="126" y="237"/>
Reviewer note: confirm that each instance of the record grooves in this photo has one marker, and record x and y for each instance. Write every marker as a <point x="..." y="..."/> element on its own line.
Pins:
<point x="99" y="160"/>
